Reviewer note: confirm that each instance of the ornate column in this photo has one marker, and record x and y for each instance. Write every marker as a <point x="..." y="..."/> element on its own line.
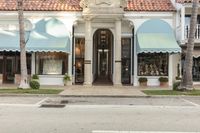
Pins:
<point x="117" y="51"/>
<point x="88" y="53"/>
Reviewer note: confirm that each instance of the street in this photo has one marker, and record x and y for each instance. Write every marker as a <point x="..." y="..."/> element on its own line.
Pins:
<point x="99" y="115"/>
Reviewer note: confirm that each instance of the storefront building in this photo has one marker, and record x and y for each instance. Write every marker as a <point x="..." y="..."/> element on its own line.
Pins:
<point x="185" y="10"/>
<point x="113" y="42"/>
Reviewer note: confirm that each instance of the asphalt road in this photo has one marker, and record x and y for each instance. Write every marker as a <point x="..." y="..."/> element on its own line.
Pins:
<point x="154" y="101"/>
<point x="100" y="115"/>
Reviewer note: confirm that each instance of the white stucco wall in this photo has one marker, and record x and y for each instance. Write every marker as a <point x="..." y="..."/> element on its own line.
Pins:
<point x="131" y="19"/>
<point x="51" y="79"/>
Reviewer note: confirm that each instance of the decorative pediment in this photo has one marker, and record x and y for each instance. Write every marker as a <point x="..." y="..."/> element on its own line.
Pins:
<point x="103" y="2"/>
<point x="102" y="8"/>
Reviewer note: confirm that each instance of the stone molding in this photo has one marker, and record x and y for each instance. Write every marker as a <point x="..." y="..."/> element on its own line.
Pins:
<point x="102" y="8"/>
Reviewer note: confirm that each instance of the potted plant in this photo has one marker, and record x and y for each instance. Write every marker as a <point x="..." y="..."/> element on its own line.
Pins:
<point x="143" y="81"/>
<point x="163" y="81"/>
<point x="66" y="78"/>
<point x="178" y="78"/>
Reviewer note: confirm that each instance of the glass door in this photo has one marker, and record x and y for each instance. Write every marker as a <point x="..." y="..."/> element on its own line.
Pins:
<point x="126" y="61"/>
<point x="102" y="63"/>
<point x="79" y="59"/>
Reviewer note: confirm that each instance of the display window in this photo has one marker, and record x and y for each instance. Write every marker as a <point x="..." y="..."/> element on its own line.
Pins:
<point x="126" y="60"/>
<point x="79" y="59"/>
<point x="51" y="63"/>
<point x="196" y="69"/>
<point x="153" y="64"/>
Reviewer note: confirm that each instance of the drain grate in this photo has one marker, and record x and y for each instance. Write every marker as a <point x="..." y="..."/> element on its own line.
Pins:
<point x="54" y="103"/>
<point x="64" y="101"/>
<point x="52" y="106"/>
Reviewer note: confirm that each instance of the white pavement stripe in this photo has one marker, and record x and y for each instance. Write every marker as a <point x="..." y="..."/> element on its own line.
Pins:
<point x="99" y="131"/>
<point x="38" y="103"/>
<point x="194" y="104"/>
<point x="20" y="105"/>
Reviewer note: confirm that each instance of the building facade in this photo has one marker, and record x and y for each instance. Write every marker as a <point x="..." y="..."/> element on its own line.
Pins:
<point x="96" y="41"/>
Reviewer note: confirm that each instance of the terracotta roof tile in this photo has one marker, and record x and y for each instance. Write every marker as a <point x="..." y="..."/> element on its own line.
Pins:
<point x="149" y="5"/>
<point x="73" y="5"/>
<point x="42" y="5"/>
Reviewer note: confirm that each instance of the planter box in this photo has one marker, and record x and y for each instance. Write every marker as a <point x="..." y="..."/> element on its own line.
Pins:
<point x="143" y="84"/>
<point x="68" y="83"/>
<point x="163" y="84"/>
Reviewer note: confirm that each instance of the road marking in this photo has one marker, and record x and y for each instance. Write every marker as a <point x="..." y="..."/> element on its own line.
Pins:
<point x="39" y="103"/>
<point x="194" y="104"/>
<point x="99" y="131"/>
<point x="19" y="105"/>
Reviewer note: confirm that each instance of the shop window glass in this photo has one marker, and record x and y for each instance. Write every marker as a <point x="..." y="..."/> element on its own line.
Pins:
<point x="196" y="69"/>
<point x="51" y="63"/>
<point x="126" y="60"/>
<point x="155" y="64"/>
<point x="79" y="59"/>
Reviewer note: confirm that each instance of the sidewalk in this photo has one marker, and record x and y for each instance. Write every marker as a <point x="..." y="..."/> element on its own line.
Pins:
<point x="107" y="91"/>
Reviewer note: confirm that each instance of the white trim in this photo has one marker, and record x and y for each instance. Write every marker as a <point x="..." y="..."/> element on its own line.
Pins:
<point x="77" y="35"/>
<point x="42" y="13"/>
<point x="135" y="61"/>
<point x="127" y="35"/>
<point x="148" y="14"/>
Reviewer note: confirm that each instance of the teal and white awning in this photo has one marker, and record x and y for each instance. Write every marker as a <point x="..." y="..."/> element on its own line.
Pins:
<point x="156" y="36"/>
<point x="47" y="36"/>
<point x="9" y="40"/>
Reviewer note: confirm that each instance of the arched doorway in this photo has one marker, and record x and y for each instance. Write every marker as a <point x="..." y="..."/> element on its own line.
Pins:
<point x="102" y="57"/>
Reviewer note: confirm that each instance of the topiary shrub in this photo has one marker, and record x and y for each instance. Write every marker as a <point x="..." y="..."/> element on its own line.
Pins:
<point x="143" y="81"/>
<point x="176" y="85"/>
<point x="163" y="79"/>
<point x="35" y="76"/>
<point x="34" y="84"/>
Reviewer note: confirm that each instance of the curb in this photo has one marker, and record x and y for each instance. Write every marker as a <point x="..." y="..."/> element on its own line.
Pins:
<point x="98" y="96"/>
<point x="28" y="95"/>
<point x="106" y="96"/>
<point x="122" y="96"/>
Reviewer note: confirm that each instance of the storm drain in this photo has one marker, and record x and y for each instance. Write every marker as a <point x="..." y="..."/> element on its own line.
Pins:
<point x="54" y="103"/>
<point x="52" y="106"/>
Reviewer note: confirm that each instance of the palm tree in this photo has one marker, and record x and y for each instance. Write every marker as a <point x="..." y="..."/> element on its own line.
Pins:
<point x="24" y="76"/>
<point x="187" y="80"/>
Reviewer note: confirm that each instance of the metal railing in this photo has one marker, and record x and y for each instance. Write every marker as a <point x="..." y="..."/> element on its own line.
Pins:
<point x="197" y="33"/>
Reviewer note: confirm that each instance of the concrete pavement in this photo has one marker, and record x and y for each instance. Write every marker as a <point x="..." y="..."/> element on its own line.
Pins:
<point x="123" y="91"/>
<point x="132" y="101"/>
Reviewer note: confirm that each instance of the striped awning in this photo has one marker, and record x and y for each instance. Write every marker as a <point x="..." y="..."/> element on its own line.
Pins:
<point x="156" y="36"/>
<point x="48" y="36"/>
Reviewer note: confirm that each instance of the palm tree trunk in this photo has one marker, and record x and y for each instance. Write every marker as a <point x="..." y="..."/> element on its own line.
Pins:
<point x="23" y="64"/>
<point x="187" y="80"/>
